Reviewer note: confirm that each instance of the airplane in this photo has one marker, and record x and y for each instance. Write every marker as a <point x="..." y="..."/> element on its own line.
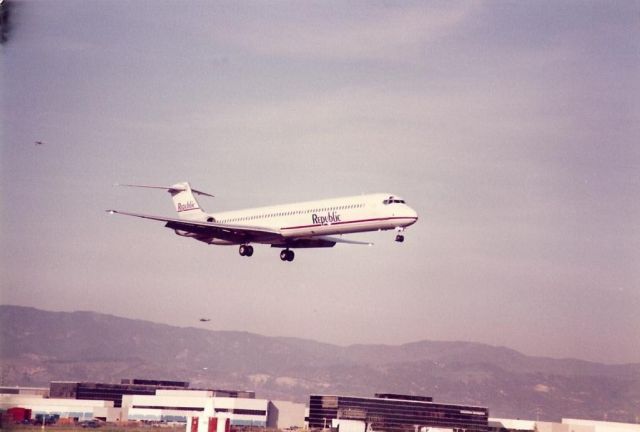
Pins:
<point x="311" y="224"/>
<point x="205" y="319"/>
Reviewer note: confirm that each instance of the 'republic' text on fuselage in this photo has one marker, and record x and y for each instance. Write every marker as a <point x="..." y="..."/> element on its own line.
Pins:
<point x="325" y="220"/>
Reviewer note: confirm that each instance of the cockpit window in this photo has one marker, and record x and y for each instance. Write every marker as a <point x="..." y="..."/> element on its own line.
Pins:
<point x="393" y="200"/>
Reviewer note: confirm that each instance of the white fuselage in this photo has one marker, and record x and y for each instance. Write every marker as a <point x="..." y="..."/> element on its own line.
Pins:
<point x="325" y="217"/>
<point x="311" y="224"/>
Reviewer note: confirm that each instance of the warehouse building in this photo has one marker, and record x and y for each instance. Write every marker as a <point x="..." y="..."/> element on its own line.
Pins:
<point x="31" y="391"/>
<point x="225" y="407"/>
<point x="64" y="408"/>
<point x="394" y="413"/>
<point x="178" y="405"/>
<point x="115" y="392"/>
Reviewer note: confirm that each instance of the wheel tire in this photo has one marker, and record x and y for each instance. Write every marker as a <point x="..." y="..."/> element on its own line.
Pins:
<point x="290" y="256"/>
<point x="284" y="255"/>
<point x="249" y="251"/>
<point x="399" y="238"/>
<point x="242" y="250"/>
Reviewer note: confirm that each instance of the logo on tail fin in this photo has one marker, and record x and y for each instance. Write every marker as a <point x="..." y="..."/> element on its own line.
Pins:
<point x="190" y="205"/>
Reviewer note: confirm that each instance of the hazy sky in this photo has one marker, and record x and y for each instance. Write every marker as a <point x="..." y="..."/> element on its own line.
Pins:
<point x="513" y="128"/>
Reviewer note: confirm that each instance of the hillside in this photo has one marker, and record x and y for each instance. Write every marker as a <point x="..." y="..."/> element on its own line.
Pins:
<point x="38" y="346"/>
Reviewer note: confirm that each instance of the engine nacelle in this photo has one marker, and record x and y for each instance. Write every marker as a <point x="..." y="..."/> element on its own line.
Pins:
<point x="182" y="233"/>
<point x="220" y="242"/>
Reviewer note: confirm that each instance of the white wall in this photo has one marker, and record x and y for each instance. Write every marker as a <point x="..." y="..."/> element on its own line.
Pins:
<point x="111" y="414"/>
<point x="284" y="414"/>
<point x="174" y="403"/>
<point x="600" y="426"/>
<point x="170" y="405"/>
<point x="227" y="403"/>
<point x="567" y="425"/>
<point x="348" y="425"/>
<point x="554" y="427"/>
<point x="525" y="425"/>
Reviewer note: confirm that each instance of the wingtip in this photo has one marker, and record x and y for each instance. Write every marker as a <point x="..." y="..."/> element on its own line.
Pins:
<point x="197" y="192"/>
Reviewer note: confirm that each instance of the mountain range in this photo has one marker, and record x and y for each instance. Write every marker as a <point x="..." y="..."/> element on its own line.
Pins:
<point x="38" y="346"/>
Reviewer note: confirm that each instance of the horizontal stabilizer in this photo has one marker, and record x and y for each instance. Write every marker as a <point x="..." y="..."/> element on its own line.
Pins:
<point x="172" y="189"/>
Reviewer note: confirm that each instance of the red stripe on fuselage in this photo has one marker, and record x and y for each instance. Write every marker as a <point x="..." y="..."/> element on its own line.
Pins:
<point x="348" y="222"/>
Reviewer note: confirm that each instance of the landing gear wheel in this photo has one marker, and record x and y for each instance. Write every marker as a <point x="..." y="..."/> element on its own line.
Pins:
<point x="287" y="255"/>
<point x="245" y="250"/>
<point x="399" y="238"/>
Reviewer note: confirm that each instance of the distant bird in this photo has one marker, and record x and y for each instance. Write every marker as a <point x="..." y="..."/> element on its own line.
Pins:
<point x="205" y="319"/>
<point x="38" y="143"/>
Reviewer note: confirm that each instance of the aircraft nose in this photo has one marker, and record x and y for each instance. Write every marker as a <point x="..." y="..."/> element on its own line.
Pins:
<point x="411" y="213"/>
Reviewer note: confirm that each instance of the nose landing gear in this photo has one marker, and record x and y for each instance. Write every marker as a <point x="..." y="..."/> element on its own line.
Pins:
<point x="287" y="255"/>
<point x="400" y="236"/>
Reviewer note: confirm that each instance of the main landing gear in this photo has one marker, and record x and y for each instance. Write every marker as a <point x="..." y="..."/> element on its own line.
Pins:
<point x="287" y="255"/>
<point x="245" y="250"/>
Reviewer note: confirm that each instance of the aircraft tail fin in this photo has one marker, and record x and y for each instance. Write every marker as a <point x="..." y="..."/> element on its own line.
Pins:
<point x="184" y="200"/>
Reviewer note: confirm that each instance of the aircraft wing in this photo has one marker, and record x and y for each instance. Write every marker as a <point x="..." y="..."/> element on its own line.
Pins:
<point x="206" y="230"/>
<point x="343" y="240"/>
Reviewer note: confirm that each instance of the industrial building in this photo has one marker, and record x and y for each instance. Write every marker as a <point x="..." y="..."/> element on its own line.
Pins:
<point x="65" y="408"/>
<point x="154" y="401"/>
<point x="177" y="405"/>
<point x="115" y="392"/>
<point x="34" y="391"/>
<point x="217" y="411"/>
<point x="393" y="413"/>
